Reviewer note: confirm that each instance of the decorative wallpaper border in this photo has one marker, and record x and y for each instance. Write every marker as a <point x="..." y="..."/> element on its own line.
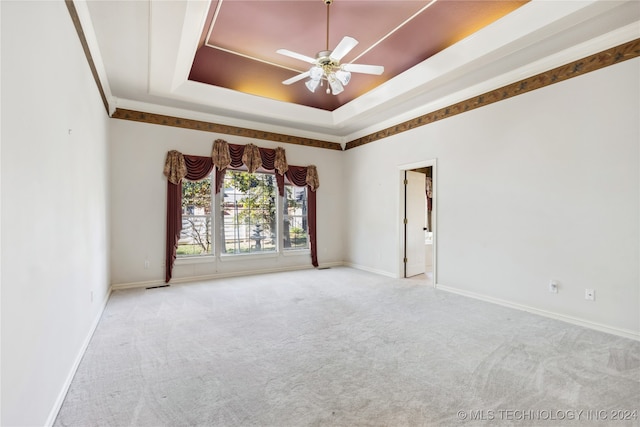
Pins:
<point x="159" y="119"/>
<point x="582" y="66"/>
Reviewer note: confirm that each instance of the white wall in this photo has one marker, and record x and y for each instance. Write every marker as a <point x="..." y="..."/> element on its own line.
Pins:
<point x="138" y="209"/>
<point x="541" y="186"/>
<point x="54" y="208"/>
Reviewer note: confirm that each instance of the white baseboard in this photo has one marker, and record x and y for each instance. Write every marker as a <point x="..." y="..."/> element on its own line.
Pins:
<point x="143" y="284"/>
<point x="330" y="264"/>
<point x="176" y="280"/>
<point x="626" y="333"/>
<point x="53" y="414"/>
<point x="370" y="270"/>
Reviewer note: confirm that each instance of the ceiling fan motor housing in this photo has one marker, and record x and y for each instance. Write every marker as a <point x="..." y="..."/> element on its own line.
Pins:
<point x="323" y="58"/>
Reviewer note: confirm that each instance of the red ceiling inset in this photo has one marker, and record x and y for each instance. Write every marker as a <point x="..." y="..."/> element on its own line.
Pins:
<point x="239" y="41"/>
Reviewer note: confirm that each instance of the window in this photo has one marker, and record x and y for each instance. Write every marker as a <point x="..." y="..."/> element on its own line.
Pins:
<point x="249" y="213"/>
<point x="250" y="217"/>
<point x="295" y="218"/>
<point x="195" y="237"/>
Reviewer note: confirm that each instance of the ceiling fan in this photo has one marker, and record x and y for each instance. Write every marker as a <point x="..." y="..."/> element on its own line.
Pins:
<point x="326" y="65"/>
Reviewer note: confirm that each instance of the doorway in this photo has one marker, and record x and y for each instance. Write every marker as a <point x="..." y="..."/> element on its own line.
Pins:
<point x="418" y="221"/>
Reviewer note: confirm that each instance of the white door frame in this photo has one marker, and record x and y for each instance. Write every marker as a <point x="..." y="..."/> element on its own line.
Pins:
<point x="434" y="216"/>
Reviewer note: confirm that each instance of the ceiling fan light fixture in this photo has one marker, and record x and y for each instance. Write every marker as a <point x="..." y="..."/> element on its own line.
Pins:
<point x="312" y="84"/>
<point x="336" y="86"/>
<point x="315" y="73"/>
<point x="343" y="76"/>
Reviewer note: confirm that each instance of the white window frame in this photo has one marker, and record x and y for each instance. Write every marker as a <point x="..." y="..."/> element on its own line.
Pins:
<point x="220" y="226"/>
<point x="189" y="259"/>
<point x="217" y="231"/>
<point x="295" y="250"/>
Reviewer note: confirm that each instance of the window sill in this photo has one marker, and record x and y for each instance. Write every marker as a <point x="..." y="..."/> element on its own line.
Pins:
<point x="244" y="257"/>
<point x="195" y="259"/>
<point x="203" y="259"/>
<point x="296" y="252"/>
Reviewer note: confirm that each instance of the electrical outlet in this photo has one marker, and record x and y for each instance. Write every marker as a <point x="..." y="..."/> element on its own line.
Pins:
<point x="553" y="287"/>
<point x="590" y="294"/>
<point x="146" y="264"/>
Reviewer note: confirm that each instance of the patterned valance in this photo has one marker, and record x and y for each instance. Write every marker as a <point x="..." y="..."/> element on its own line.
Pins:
<point x="312" y="178"/>
<point x="175" y="168"/>
<point x="251" y="158"/>
<point x="281" y="161"/>
<point x="220" y="154"/>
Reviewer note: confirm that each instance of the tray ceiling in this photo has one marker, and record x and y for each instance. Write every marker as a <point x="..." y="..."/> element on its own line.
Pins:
<point x="216" y="61"/>
<point x="238" y="44"/>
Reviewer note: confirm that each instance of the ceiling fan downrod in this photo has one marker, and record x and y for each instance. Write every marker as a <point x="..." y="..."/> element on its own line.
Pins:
<point x="326" y="64"/>
<point x="328" y="3"/>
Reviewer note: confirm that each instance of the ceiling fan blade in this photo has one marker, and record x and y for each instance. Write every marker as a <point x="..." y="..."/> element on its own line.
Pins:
<point x="296" y="78"/>
<point x="346" y="44"/>
<point x="295" y="55"/>
<point x="365" y="69"/>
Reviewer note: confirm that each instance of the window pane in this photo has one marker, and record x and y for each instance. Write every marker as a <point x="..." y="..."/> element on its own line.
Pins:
<point x="249" y="212"/>
<point x="195" y="237"/>
<point x="295" y="218"/>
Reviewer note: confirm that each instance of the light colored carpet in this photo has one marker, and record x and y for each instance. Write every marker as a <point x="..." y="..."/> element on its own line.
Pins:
<point x="342" y="347"/>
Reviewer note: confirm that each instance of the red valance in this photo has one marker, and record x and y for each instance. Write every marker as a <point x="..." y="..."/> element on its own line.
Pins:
<point x="270" y="160"/>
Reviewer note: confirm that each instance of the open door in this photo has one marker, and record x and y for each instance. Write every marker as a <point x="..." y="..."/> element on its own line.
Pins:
<point x="415" y="210"/>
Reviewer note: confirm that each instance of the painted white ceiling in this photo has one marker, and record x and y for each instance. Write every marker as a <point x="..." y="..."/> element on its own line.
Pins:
<point x="144" y="50"/>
